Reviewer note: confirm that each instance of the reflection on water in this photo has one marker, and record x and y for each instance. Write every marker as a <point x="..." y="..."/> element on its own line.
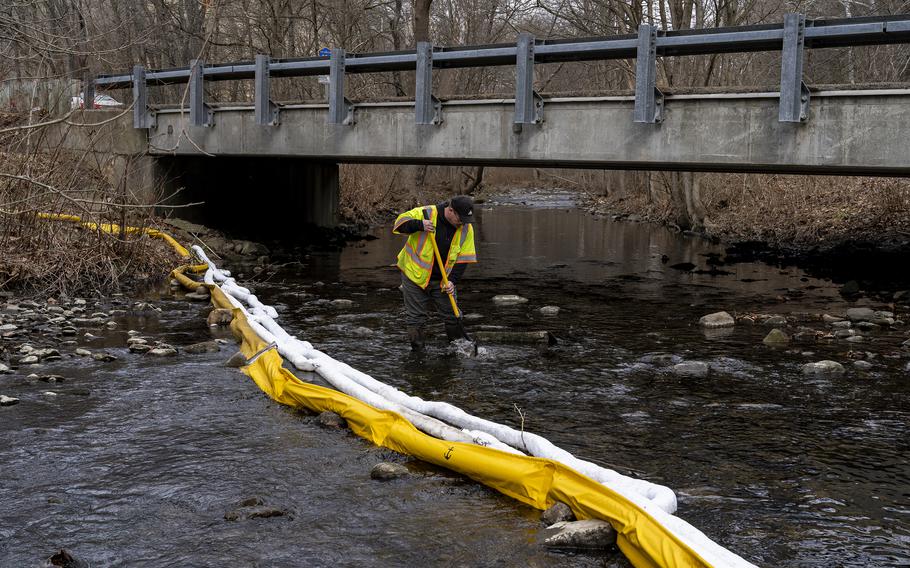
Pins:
<point x="783" y="469"/>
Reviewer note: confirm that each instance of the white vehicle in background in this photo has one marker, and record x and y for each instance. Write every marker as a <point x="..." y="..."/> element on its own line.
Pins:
<point x="101" y="101"/>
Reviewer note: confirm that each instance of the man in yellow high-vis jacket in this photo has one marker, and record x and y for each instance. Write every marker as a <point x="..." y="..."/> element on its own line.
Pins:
<point x="420" y="276"/>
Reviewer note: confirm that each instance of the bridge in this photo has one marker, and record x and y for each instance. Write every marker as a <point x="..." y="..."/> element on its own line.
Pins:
<point x="793" y="129"/>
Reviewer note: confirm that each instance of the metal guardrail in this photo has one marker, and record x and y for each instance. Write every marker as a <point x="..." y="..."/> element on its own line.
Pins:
<point x="791" y="38"/>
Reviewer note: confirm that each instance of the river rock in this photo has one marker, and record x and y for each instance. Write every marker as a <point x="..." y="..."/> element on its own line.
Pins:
<point x="716" y="320"/>
<point x="219" y="316"/>
<point x="855" y="339"/>
<point x="51" y="379"/>
<point x="860" y="314"/>
<point x="851" y="288"/>
<point x="361" y="331"/>
<point x="236" y="361"/>
<point x="103" y="357"/>
<point x="8" y="400"/>
<point x="203" y="347"/>
<point x="197" y="297"/>
<point x="4" y="369"/>
<point x="163" y="350"/>
<point x="508" y="300"/>
<point x="831" y="319"/>
<point x="45" y="353"/>
<point x="867" y="325"/>
<point x="28" y="360"/>
<point x="776" y="337"/>
<point x="549" y="310"/>
<point x="661" y="359"/>
<point x="883" y="318"/>
<point x="8" y="327"/>
<point x="140" y="347"/>
<point x="844" y="324"/>
<point x="558" y="513"/>
<point x="135" y="339"/>
<point x="66" y="560"/>
<point x="265" y="512"/>
<point x="49" y="393"/>
<point x="590" y="534"/>
<point x="693" y="369"/>
<point x="250" y="502"/>
<point x="844" y="333"/>
<point x="331" y="420"/>
<point x="342" y="303"/>
<point x="385" y="471"/>
<point x="250" y="248"/>
<point x="862" y="365"/>
<point x="472" y="317"/>
<point x="823" y="368"/>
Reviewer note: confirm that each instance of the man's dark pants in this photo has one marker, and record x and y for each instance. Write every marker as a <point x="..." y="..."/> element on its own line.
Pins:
<point x="418" y="302"/>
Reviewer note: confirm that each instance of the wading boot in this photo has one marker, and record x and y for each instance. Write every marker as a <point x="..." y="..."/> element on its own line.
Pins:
<point x="415" y="336"/>
<point x="453" y="332"/>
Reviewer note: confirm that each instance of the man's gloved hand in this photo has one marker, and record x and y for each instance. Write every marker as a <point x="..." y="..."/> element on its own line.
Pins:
<point x="449" y="288"/>
<point x="428" y="226"/>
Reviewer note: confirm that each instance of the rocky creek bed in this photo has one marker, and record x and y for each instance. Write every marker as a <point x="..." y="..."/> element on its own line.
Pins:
<point x="781" y="424"/>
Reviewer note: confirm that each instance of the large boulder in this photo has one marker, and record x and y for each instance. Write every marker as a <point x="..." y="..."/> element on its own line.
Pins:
<point x="8" y="400"/>
<point x="860" y="314"/>
<point x="385" y="471"/>
<point x="823" y="368"/>
<point x="558" y="513"/>
<point x="693" y="369"/>
<point x="203" y="347"/>
<point x="716" y="320"/>
<point x="590" y="534"/>
<point x="508" y="300"/>
<point x="776" y="337"/>
<point x="220" y="316"/>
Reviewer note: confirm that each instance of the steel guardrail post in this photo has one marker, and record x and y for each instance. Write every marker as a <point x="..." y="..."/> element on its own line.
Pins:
<point x="427" y="108"/>
<point x="649" y="101"/>
<point x="267" y="112"/>
<point x="201" y="114"/>
<point x="142" y="117"/>
<point x="794" y="94"/>
<point x="341" y="111"/>
<point x="528" y="104"/>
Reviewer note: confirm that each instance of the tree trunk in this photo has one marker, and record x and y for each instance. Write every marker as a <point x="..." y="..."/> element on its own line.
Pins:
<point x="422" y="20"/>
<point x="688" y="212"/>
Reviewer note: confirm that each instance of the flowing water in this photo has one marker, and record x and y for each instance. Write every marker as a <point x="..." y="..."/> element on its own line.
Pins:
<point x="136" y="462"/>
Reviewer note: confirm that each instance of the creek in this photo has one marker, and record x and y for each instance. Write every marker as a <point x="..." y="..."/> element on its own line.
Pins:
<point x="135" y="462"/>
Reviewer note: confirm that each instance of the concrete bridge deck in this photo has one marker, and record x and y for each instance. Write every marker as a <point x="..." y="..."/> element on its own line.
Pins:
<point x="848" y="132"/>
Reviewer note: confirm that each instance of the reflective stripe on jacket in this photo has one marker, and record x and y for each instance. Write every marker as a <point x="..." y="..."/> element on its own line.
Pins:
<point x="416" y="257"/>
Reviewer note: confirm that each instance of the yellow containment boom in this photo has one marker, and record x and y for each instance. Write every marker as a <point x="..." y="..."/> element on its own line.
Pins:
<point x="648" y="538"/>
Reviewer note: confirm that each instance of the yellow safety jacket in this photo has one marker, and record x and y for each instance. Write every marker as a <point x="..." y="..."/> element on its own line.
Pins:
<point x="416" y="257"/>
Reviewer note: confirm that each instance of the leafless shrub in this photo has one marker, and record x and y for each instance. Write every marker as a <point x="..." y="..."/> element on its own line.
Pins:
<point x="48" y="257"/>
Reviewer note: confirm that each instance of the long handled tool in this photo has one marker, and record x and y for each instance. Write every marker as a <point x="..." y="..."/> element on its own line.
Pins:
<point x="445" y="283"/>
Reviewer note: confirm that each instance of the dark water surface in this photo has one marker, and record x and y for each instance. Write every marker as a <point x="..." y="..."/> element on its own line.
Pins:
<point x="783" y="469"/>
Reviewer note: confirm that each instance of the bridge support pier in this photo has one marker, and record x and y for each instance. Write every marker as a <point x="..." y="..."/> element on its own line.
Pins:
<point x="260" y="197"/>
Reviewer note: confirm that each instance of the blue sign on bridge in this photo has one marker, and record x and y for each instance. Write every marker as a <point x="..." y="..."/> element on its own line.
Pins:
<point x="325" y="52"/>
